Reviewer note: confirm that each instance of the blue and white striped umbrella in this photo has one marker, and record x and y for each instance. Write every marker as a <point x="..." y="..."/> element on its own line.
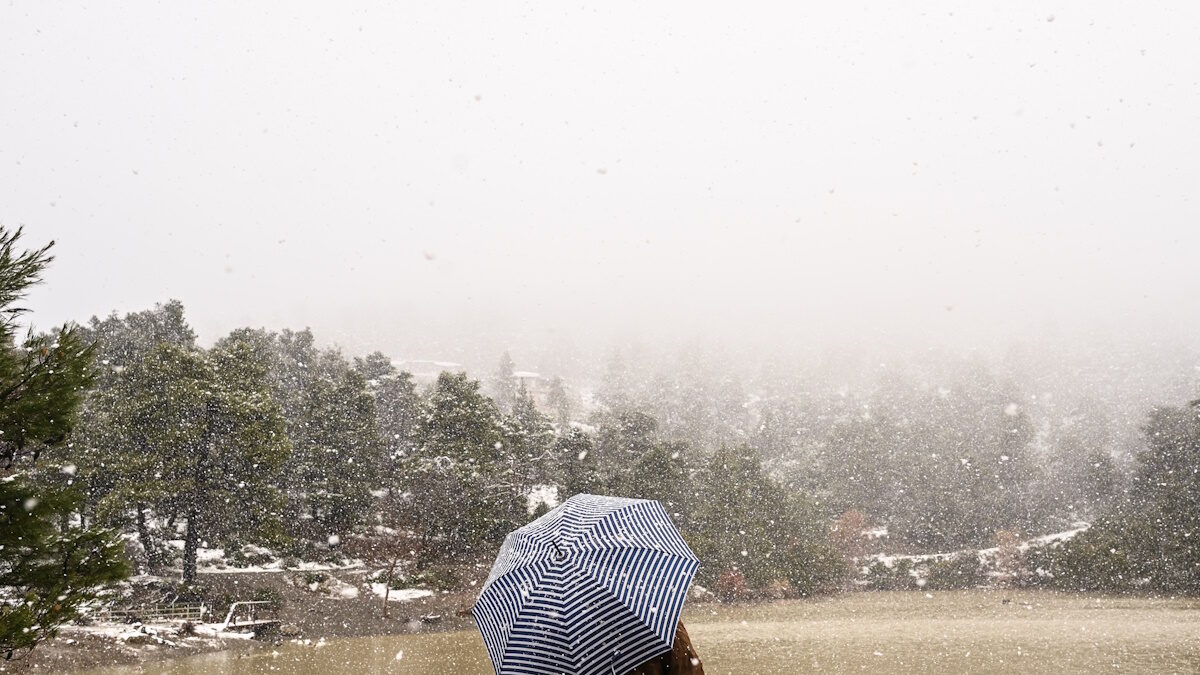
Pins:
<point x="594" y="586"/>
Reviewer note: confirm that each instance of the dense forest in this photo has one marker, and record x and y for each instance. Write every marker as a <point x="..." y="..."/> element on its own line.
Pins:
<point x="127" y="446"/>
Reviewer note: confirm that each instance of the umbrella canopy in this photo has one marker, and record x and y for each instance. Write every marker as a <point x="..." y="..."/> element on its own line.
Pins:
<point x="594" y="586"/>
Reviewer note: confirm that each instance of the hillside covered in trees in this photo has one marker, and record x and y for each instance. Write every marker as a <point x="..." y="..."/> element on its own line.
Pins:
<point x="267" y="444"/>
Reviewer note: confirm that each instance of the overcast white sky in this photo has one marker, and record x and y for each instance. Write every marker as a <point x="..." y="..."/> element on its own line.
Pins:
<point x="428" y="178"/>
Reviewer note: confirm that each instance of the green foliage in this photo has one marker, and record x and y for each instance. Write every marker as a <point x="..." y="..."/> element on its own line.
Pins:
<point x="462" y="485"/>
<point x="1149" y="541"/>
<point x="944" y="482"/>
<point x="745" y="520"/>
<point x="663" y="472"/>
<point x="504" y="384"/>
<point x="560" y="404"/>
<point x="43" y="383"/>
<point x="439" y="577"/>
<point x="576" y="456"/>
<point x="328" y="410"/>
<point x="460" y="423"/>
<point x="335" y="457"/>
<point x="310" y="578"/>
<point x="456" y="513"/>
<point x="623" y="437"/>
<point x="959" y="571"/>
<point x="398" y="409"/>
<point x="201" y="438"/>
<point x="122" y="341"/>
<point x="48" y="566"/>
<point x="898" y="577"/>
<point x="1099" y="480"/>
<point x="48" y="570"/>
<point x="528" y="439"/>
<point x="1096" y="560"/>
<point x="271" y="596"/>
<point x="1093" y="561"/>
<point x="42" y="379"/>
<point x="374" y="366"/>
<point x="118" y="474"/>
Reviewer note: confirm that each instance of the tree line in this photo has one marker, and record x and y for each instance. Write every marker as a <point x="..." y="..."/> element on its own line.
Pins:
<point x="125" y="445"/>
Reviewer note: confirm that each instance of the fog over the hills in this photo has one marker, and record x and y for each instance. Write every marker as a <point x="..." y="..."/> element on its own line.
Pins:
<point x="379" y="328"/>
<point x="451" y="181"/>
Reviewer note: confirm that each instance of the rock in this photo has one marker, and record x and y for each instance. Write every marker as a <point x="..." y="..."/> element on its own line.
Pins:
<point x="289" y="630"/>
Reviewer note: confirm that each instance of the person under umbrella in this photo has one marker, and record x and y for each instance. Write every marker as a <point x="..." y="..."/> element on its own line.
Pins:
<point x="681" y="660"/>
<point x="595" y="586"/>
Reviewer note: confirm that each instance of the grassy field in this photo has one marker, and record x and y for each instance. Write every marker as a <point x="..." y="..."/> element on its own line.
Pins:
<point x="965" y="631"/>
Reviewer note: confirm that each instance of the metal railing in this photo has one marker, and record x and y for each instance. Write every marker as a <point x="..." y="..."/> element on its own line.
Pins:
<point x="250" y="615"/>
<point x="175" y="611"/>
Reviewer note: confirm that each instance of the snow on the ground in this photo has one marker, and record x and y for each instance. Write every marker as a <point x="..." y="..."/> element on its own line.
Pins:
<point x="157" y="632"/>
<point x="984" y="553"/>
<point x="277" y="566"/>
<point x="203" y="555"/>
<point x="214" y="630"/>
<point x="1044" y="540"/>
<point x="541" y="494"/>
<point x="334" y="587"/>
<point x="1066" y="535"/>
<point x="876" y="532"/>
<point x="214" y="561"/>
<point x="122" y="632"/>
<point x="400" y="594"/>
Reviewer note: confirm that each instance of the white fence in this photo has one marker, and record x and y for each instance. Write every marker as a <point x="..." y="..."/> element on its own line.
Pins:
<point x="175" y="611"/>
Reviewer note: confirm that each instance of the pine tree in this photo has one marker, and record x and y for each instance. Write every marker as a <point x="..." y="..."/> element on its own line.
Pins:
<point x="335" y="457"/>
<point x="614" y="392"/>
<point x="121" y="341"/>
<point x="664" y="473"/>
<point x="117" y="472"/>
<point x="374" y="366"/>
<point x="329" y="414"/>
<point x="528" y="437"/>
<point x="579" y="467"/>
<point x="205" y="424"/>
<point x="746" y="523"/>
<point x="1148" y="540"/>
<point x="623" y="438"/>
<point x="1165" y="501"/>
<point x="463" y="495"/>
<point x="504" y="384"/>
<point x="47" y="571"/>
<point x="398" y="409"/>
<point x="48" y="567"/>
<point x="461" y="424"/>
<point x="560" y="403"/>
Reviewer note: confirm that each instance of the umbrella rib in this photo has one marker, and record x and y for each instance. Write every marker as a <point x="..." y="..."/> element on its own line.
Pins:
<point x="627" y="609"/>
<point x="615" y="515"/>
<point x="524" y="564"/>
<point x="590" y="570"/>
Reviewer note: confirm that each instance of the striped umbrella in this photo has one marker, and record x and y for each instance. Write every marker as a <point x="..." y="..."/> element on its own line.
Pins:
<point x="594" y="586"/>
